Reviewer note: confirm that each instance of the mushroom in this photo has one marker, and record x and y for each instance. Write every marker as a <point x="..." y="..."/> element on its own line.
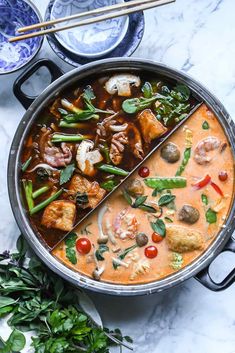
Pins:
<point x="86" y="158"/>
<point x="122" y="83"/>
<point x="96" y="274"/>
<point x="103" y="238"/>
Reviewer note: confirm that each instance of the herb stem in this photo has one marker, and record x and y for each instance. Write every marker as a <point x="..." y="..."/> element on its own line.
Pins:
<point x="64" y="123"/>
<point x="26" y="164"/>
<point x="69" y="138"/>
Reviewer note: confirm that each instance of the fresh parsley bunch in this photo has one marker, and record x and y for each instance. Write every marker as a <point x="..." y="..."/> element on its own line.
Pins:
<point x="38" y="300"/>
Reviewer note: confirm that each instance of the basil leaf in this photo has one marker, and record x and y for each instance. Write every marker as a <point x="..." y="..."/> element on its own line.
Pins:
<point x="165" y="199"/>
<point x="139" y="201"/>
<point x="81" y="199"/>
<point x="205" y="125"/>
<point x="71" y="255"/>
<point x="66" y="173"/>
<point x="15" y="342"/>
<point x="147" y="90"/>
<point x="88" y="94"/>
<point x="211" y="216"/>
<point x="204" y="199"/>
<point x="127" y="197"/>
<point x="147" y="208"/>
<point x="159" y="227"/>
<point x="100" y="251"/>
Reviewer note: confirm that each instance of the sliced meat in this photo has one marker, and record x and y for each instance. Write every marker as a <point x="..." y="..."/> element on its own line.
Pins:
<point x="135" y="141"/>
<point x="182" y="239"/>
<point x="118" y="142"/>
<point x="94" y="192"/>
<point x="151" y="128"/>
<point x="56" y="156"/>
<point x="59" y="214"/>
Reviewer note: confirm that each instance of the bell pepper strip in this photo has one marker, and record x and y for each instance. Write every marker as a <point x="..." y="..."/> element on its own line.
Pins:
<point x="217" y="189"/>
<point x="160" y="183"/>
<point x="203" y="182"/>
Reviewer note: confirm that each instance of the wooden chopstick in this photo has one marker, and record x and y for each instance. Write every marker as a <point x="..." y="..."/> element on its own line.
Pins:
<point x="83" y="14"/>
<point x="145" y="6"/>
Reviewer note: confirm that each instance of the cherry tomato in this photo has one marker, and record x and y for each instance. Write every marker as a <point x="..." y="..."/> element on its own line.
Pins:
<point x="151" y="251"/>
<point x="83" y="246"/>
<point x="223" y="175"/>
<point x="144" y="172"/>
<point x="156" y="238"/>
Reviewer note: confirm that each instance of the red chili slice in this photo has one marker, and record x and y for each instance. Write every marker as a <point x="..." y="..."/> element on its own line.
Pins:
<point x="203" y="182"/>
<point x="217" y="189"/>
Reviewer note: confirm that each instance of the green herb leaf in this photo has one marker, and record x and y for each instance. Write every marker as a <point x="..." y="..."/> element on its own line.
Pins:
<point x="5" y="301"/>
<point x="177" y="261"/>
<point x="204" y="199"/>
<point x="211" y="216"/>
<point x="159" y="227"/>
<point x="70" y="243"/>
<point x="66" y="173"/>
<point x="147" y="90"/>
<point x="71" y="255"/>
<point x="183" y="90"/>
<point x="139" y="201"/>
<point x="81" y="199"/>
<point x="205" y="125"/>
<point x="127" y="196"/>
<point x="109" y="185"/>
<point x="165" y="199"/>
<point x="168" y="219"/>
<point x="147" y="208"/>
<point x="100" y="251"/>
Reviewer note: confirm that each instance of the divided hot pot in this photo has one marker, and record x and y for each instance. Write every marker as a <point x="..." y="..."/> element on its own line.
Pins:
<point x="199" y="268"/>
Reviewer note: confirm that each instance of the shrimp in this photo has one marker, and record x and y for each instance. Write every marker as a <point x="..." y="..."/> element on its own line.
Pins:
<point x="208" y="144"/>
<point x="135" y="141"/>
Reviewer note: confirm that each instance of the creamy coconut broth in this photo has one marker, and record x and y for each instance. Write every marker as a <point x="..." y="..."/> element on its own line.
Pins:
<point x="165" y="216"/>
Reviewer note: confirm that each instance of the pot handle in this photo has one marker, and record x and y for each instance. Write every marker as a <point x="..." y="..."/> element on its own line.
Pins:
<point x="25" y="99"/>
<point x="205" y="279"/>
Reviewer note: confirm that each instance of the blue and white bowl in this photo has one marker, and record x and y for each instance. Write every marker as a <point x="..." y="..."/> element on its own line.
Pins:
<point x="13" y="15"/>
<point x="94" y="40"/>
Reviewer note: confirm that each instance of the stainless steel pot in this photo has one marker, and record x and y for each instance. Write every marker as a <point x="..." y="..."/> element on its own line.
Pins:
<point x="199" y="268"/>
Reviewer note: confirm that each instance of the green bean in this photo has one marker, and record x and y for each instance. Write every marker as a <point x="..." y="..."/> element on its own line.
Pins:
<point x="26" y="164"/>
<point x="28" y="189"/>
<point x="112" y="170"/>
<point x="161" y="183"/>
<point x="46" y="202"/>
<point x="69" y="138"/>
<point x="40" y="191"/>
<point x="187" y="155"/>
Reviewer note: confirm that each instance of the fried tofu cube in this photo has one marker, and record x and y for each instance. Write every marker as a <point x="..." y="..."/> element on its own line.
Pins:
<point x="182" y="239"/>
<point x="59" y="214"/>
<point x="150" y="127"/>
<point x="94" y="192"/>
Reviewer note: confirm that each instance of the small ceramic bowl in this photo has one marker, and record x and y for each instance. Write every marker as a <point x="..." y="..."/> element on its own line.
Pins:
<point x="15" y="14"/>
<point x="94" y="40"/>
<point x="126" y="48"/>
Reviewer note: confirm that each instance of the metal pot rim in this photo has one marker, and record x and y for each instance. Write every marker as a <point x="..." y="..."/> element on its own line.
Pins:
<point x="14" y="166"/>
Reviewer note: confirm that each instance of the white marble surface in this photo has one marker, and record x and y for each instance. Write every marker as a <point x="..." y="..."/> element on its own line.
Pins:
<point x="197" y="36"/>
